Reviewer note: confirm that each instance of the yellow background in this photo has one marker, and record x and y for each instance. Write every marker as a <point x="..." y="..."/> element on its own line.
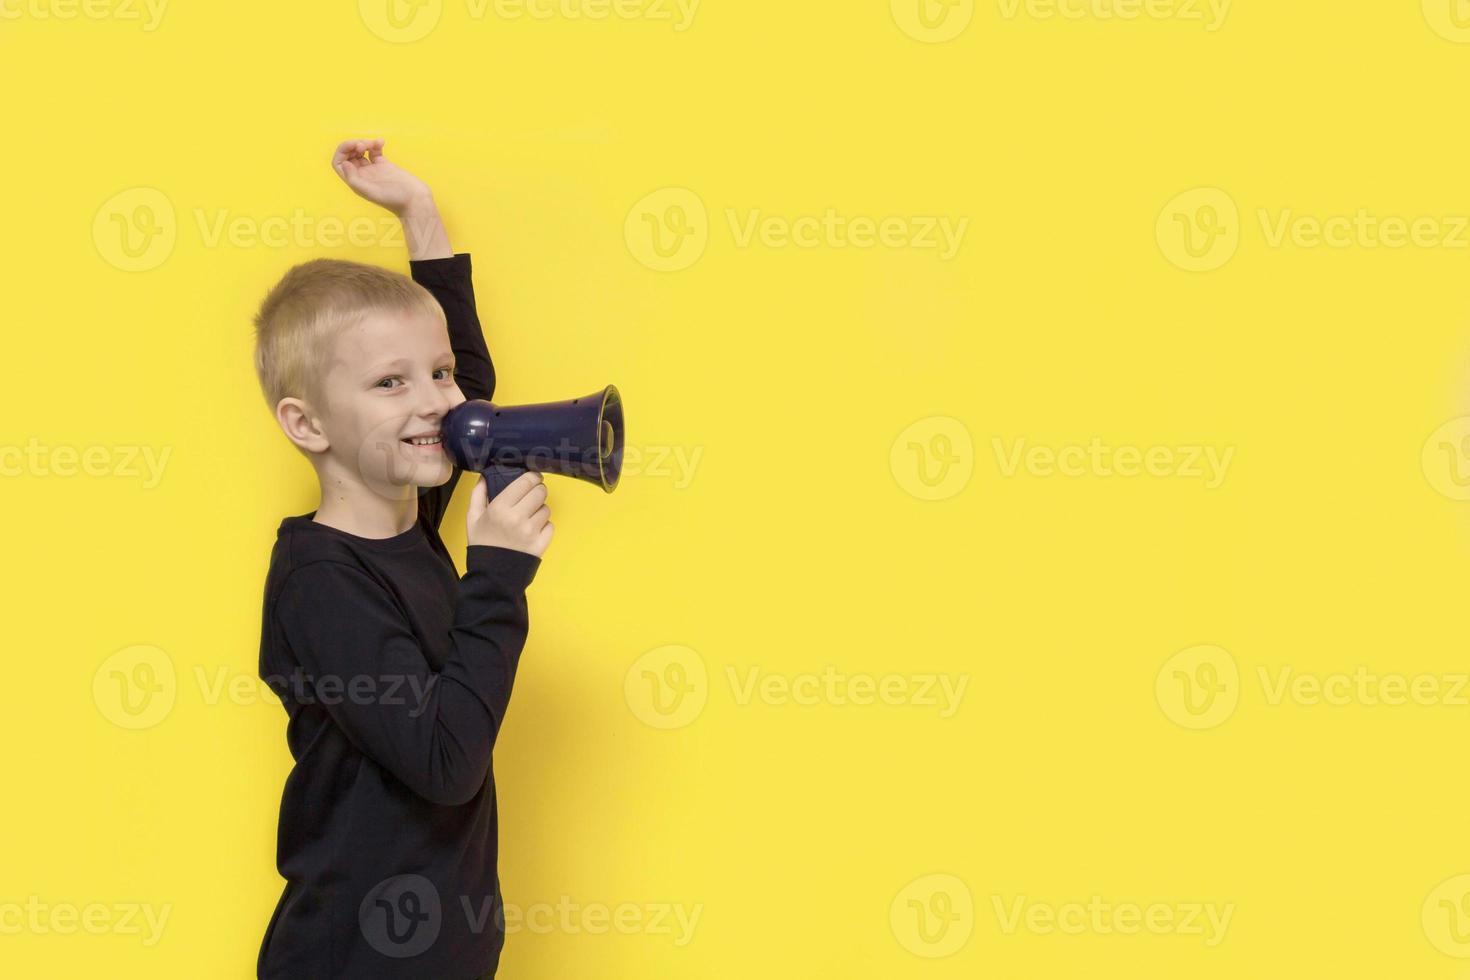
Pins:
<point x="800" y="540"/>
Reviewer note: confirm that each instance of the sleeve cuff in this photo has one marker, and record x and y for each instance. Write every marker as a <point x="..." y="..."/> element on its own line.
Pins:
<point x="440" y="270"/>
<point x="510" y="568"/>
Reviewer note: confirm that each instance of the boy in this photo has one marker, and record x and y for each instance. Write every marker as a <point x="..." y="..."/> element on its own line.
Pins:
<point x="394" y="671"/>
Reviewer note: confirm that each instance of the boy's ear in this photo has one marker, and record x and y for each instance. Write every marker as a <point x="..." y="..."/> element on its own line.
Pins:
<point x="301" y="426"/>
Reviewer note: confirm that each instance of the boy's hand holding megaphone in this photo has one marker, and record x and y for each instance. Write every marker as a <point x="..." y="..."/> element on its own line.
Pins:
<point x="517" y="518"/>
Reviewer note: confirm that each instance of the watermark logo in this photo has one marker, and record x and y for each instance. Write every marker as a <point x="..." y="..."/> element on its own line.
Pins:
<point x="1210" y="13"/>
<point x="1199" y="230"/>
<point x="1362" y="229"/>
<point x="678" y="13"/>
<point x="1209" y="921"/>
<point x="36" y="460"/>
<point x="1098" y="459"/>
<point x="401" y="916"/>
<point x="667" y="687"/>
<point x="674" y="463"/>
<point x="40" y="918"/>
<point x="933" y="21"/>
<point x="405" y="21"/>
<point x="1199" y="687"/>
<point x="1446" y="917"/>
<point x="1446" y="458"/>
<point x="1450" y="19"/>
<point x="135" y="230"/>
<point x="149" y="13"/>
<point x="933" y="916"/>
<point x="835" y="688"/>
<point x="831" y="229"/>
<point x="668" y="230"/>
<point x="1362" y="688"/>
<point x="674" y="920"/>
<point x="400" y="21"/>
<point x="933" y="458"/>
<point x="136" y="687"/>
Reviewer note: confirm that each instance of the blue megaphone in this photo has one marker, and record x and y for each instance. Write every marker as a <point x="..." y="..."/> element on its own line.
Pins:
<point x="581" y="438"/>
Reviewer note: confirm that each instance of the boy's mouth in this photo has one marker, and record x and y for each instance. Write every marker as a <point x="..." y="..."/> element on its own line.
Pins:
<point x="422" y="440"/>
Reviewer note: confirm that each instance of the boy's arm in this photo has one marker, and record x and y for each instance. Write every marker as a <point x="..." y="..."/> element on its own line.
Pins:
<point x="449" y="280"/>
<point x="434" y="265"/>
<point x="434" y="731"/>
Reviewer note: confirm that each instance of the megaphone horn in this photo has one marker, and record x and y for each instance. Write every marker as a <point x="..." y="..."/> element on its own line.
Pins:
<point x="581" y="438"/>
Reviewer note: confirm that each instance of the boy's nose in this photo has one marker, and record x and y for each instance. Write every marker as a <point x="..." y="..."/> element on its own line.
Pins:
<point x="438" y="404"/>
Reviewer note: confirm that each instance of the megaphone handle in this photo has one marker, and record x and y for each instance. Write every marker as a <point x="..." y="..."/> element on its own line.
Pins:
<point x="498" y="477"/>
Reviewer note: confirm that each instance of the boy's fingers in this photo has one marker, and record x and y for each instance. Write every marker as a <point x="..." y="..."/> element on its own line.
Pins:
<point x="535" y="497"/>
<point x="347" y="150"/>
<point x="479" y="495"/>
<point x="519" y="487"/>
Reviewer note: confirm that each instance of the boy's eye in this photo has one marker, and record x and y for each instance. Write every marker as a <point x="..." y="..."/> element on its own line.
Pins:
<point x="448" y="374"/>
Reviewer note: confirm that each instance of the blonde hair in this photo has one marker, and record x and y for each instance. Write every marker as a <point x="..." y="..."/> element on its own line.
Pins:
<point x="315" y="301"/>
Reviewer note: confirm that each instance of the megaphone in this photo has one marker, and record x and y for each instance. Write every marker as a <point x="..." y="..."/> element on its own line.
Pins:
<point x="581" y="438"/>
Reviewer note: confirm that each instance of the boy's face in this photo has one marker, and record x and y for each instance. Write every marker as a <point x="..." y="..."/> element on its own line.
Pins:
<point x="391" y="377"/>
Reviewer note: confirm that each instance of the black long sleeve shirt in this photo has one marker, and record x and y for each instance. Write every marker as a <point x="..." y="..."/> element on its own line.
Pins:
<point x="395" y="673"/>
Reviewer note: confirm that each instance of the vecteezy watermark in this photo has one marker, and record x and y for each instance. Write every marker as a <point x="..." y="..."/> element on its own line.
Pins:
<point x="1201" y="686"/>
<point x="147" y="13"/>
<point x="669" y="229"/>
<point x="1208" y="464"/>
<point x="1445" y="917"/>
<point x="137" y="229"/>
<point x="1210" y="14"/>
<point x="1209" y="921"/>
<point x="834" y="230"/>
<point x="406" y="21"/>
<point x="1363" y="687"/>
<point x="933" y="458"/>
<point x="569" y="918"/>
<point x="932" y="21"/>
<point x="668" y="687"/>
<point x="1445" y="458"/>
<point x="402" y="916"/>
<point x="1200" y="230"/>
<point x="674" y="463"/>
<point x="933" y="916"/>
<point x="838" y="689"/>
<point x="1198" y="687"/>
<point x="1449" y="19"/>
<point x="40" y="918"/>
<point x="137" y="688"/>
<point x="36" y="459"/>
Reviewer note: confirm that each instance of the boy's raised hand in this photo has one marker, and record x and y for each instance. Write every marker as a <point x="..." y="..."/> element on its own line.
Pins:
<point x="372" y="176"/>
<point x="518" y="518"/>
